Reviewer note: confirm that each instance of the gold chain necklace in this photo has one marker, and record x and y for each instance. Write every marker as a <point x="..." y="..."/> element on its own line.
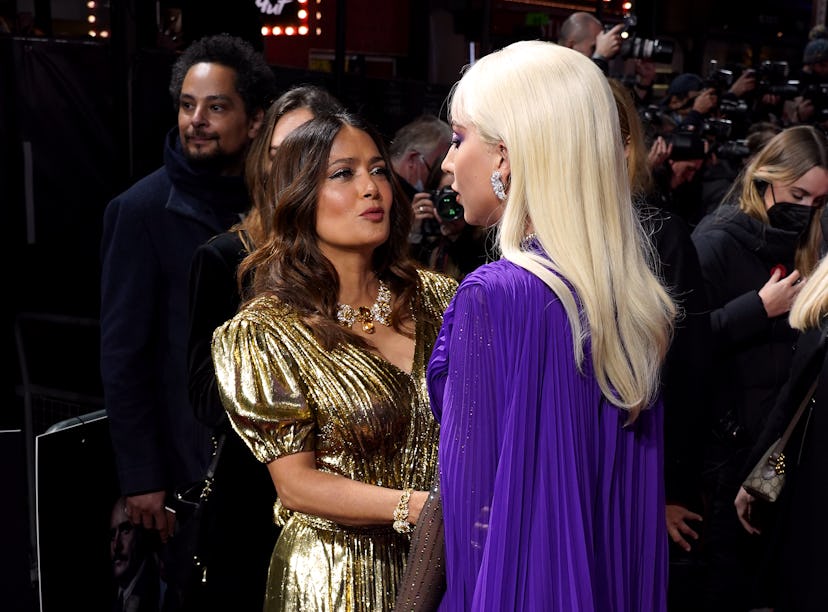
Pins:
<point x="380" y="312"/>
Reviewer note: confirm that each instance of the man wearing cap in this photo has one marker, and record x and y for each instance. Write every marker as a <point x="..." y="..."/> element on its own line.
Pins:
<point x="688" y="102"/>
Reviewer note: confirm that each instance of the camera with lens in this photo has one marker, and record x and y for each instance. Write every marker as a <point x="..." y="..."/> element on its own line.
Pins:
<point x="772" y="78"/>
<point x="446" y="205"/>
<point x="720" y="79"/>
<point x="636" y="47"/>
<point x="733" y="150"/>
<point x="652" y="114"/>
<point x="817" y="93"/>
<point x="771" y="73"/>
<point x="686" y="146"/>
<point x="719" y="129"/>
<point x="733" y="108"/>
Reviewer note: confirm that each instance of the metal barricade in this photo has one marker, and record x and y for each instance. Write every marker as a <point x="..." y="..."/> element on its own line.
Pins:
<point x="60" y="379"/>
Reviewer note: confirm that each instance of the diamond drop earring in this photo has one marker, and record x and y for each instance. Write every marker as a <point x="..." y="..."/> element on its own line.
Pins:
<point x="497" y="185"/>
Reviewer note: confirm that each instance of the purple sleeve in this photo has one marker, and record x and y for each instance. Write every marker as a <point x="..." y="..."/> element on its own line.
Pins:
<point x="460" y="375"/>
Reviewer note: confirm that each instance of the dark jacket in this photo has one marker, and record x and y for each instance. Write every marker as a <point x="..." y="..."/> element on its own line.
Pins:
<point x="752" y="353"/>
<point x="685" y="379"/>
<point x="800" y="564"/>
<point x="242" y="531"/>
<point x="149" y="235"/>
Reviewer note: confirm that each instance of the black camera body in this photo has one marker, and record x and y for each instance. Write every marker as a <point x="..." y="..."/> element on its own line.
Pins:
<point x="733" y="150"/>
<point x="446" y="205"/>
<point x="636" y="47"/>
<point x="719" y="129"/>
<point x="686" y="146"/>
<point x="719" y="79"/>
<point x="770" y="73"/>
<point x="772" y="78"/>
<point x="733" y="108"/>
<point x="817" y="93"/>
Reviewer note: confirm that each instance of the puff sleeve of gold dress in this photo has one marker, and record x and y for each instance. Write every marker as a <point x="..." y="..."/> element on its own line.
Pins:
<point x="365" y="419"/>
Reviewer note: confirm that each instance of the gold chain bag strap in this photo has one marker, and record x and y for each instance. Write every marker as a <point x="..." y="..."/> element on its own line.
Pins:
<point x="192" y="535"/>
<point x="767" y="478"/>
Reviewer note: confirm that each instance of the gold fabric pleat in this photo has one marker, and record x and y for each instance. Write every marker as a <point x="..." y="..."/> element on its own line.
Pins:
<point x="365" y="418"/>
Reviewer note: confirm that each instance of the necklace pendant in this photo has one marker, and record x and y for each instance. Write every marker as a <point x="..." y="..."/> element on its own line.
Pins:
<point x="366" y="317"/>
<point x="380" y="312"/>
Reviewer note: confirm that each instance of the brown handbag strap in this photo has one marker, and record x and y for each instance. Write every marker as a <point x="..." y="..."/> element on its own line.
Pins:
<point x="797" y="415"/>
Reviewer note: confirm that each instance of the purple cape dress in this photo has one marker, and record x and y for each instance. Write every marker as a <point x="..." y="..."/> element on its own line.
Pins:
<point x="549" y="502"/>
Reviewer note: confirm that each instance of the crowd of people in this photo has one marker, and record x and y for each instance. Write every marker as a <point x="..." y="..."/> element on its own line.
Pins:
<point x="522" y="358"/>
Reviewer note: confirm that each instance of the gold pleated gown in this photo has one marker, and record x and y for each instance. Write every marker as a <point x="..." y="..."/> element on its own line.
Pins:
<point x="365" y="418"/>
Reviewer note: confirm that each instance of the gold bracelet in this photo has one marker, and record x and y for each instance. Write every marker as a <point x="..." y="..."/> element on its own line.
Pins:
<point x="401" y="524"/>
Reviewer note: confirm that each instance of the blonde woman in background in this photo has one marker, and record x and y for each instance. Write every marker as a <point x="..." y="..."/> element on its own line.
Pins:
<point x="798" y="562"/>
<point x="756" y="255"/>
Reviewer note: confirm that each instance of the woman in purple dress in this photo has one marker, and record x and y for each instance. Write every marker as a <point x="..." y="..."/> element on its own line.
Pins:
<point x="545" y="374"/>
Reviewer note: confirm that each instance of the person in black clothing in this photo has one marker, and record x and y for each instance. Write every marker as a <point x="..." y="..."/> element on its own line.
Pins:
<point x="754" y="255"/>
<point x="677" y="180"/>
<point x="684" y="378"/>
<point x="585" y="33"/>
<point x="799" y="564"/>
<point x="455" y="248"/>
<point x="416" y="149"/>
<point x="221" y="87"/>
<point x="242" y="531"/>
<point x="688" y="101"/>
<point x="444" y="245"/>
<point x="719" y="175"/>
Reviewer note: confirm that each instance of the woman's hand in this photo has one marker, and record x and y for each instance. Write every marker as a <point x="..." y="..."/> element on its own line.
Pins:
<point x="677" y="527"/>
<point x="744" y="506"/>
<point x="778" y="293"/>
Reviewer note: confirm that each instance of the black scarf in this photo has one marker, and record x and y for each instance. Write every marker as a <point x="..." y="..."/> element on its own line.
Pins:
<point x="224" y="194"/>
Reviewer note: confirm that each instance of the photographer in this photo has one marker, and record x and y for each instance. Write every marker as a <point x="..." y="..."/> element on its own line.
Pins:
<point x="585" y="34"/>
<point x="728" y="158"/>
<point x="445" y="243"/>
<point x="815" y="56"/>
<point x="416" y="149"/>
<point x="688" y="102"/>
<point x="677" y="178"/>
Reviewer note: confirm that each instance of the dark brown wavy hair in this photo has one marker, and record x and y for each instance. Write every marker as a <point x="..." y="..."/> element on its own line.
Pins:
<point x="289" y="264"/>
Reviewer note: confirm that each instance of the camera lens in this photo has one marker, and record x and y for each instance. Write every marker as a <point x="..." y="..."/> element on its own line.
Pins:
<point x="659" y="51"/>
<point x="445" y="202"/>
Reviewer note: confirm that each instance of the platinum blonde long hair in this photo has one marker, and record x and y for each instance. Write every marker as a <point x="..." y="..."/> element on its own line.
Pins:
<point x="811" y="305"/>
<point x="553" y="110"/>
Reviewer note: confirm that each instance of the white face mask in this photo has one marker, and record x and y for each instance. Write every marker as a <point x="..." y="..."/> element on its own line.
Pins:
<point x="419" y="185"/>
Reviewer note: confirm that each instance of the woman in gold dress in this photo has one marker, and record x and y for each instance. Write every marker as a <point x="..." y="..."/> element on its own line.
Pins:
<point x="322" y="371"/>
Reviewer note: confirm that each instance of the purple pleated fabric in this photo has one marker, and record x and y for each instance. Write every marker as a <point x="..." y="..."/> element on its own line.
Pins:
<point x="549" y="502"/>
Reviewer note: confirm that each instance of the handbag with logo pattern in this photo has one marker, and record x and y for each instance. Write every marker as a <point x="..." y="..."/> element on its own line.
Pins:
<point x="767" y="478"/>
